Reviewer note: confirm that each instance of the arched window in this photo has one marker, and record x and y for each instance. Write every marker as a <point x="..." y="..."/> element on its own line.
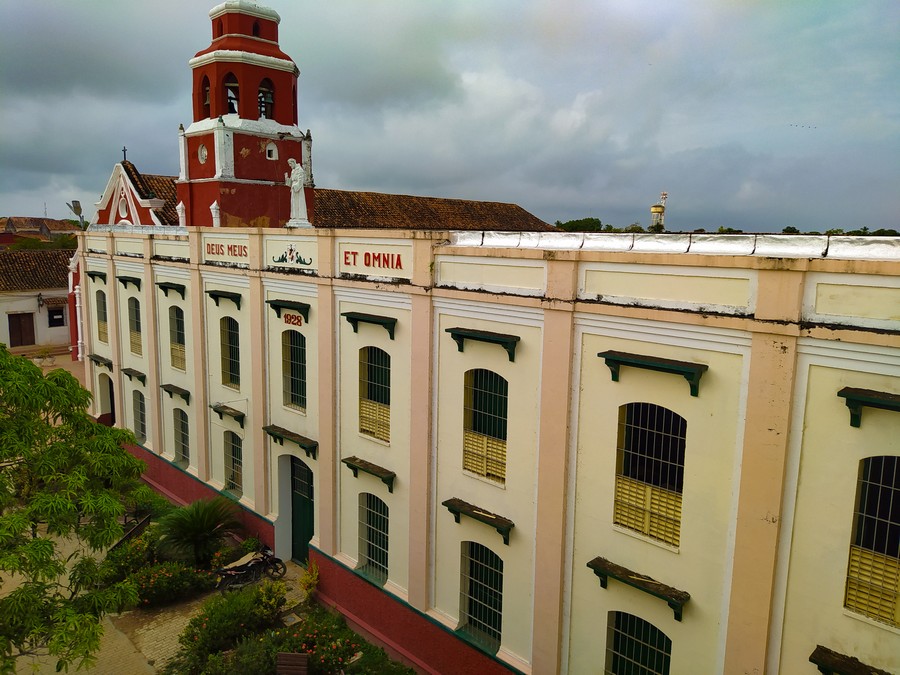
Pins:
<point x="293" y="369"/>
<point x="102" y="325"/>
<point x="204" y="97"/>
<point x="234" y="463"/>
<point x="182" y="437"/>
<point x="176" y="337"/>
<point x="872" y="587"/>
<point x="373" y="537"/>
<point x="229" y="333"/>
<point x="140" y="416"/>
<point x="266" y="99"/>
<point x="484" y="424"/>
<point x="232" y="93"/>
<point x="375" y="393"/>
<point x="636" y="646"/>
<point x="650" y="471"/>
<point x="481" y="595"/>
<point x="134" y="326"/>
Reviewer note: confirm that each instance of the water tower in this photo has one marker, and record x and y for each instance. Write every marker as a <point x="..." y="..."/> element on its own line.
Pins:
<point x="658" y="213"/>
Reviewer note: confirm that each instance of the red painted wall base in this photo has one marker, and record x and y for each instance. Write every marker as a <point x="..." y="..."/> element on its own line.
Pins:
<point x="183" y="488"/>
<point x="424" y="644"/>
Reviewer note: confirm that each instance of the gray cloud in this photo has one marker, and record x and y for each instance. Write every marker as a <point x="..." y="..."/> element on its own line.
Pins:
<point x="754" y="116"/>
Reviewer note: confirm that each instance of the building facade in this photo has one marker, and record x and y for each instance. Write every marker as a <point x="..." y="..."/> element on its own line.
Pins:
<point x="524" y="450"/>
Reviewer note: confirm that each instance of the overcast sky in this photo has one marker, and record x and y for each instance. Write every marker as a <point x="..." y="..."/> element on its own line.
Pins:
<point x="752" y="115"/>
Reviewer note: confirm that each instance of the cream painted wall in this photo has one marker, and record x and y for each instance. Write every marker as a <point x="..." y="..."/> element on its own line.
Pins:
<point x="130" y="247"/>
<point x="701" y="564"/>
<point x="715" y="289"/>
<point x="171" y="248"/>
<point x="826" y="460"/>
<point x="523" y="277"/>
<point x="516" y="498"/>
<point x="393" y="456"/>
<point x="218" y="392"/>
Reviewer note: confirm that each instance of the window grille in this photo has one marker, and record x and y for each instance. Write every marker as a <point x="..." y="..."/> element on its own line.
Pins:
<point x="373" y="537"/>
<point x="873" y="572"/>
<point x="134" y="325"/>
<point x="176" y="337"/>
<point x="140" y="416"/>
<point x="234" y="480"/>
<point x="481" y="595"/>
<point x="636" y="647"/>
<point x="182" y="437"/>
<point x="231" y="352"/>
<point x="293" y="369"/>
<point x="650" y="471"/>
<point x="484" y="432"/>
<point x="375" y="393"/>
<point x="102" y="325"/>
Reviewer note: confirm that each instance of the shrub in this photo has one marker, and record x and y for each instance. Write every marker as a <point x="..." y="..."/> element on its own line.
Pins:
<point x="250" y="545"/>
<point x="200" y="528"/>
<point x="170" y="582"/>
<point x="223" y="621"/>
<point x="133" y="555"/>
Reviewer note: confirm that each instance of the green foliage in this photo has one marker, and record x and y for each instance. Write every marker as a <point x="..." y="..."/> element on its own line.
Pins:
<point x="143" y="501"/>
<point x="251" y="545"/>
<point x="200" y="528"/>
<point x="223" y="621"/>
<point x="728" y="230"/>
<point x="63" y="478"/>
<point x="309" y="579"/>
<point x="164" y="583"/>
<point x="582" y="225"/>
<point x="131" y="556"/>
<point x="790" y="229"/>
<point x="67" y="242"/>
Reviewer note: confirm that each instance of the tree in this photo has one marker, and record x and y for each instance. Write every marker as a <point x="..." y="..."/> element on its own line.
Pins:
<point x="62" y="483"/>
<point x="199" y="528"/>
<point x="581" y="225"/>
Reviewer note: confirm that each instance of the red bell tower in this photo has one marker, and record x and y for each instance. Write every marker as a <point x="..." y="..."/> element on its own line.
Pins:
<point x="234" y="156"/>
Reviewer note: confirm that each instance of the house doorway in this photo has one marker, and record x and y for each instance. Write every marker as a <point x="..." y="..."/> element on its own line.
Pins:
<point x="21" y="329"/>
<point x="302" y="510"/>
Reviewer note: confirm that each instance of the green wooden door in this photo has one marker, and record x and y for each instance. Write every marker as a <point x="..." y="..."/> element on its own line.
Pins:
<point x="302" y="510"/>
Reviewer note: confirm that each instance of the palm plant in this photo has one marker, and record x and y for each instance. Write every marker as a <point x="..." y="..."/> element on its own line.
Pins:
<point x="199" y="528"/>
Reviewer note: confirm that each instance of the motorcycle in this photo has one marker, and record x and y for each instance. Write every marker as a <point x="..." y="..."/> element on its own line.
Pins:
<point x="250" y="569"/>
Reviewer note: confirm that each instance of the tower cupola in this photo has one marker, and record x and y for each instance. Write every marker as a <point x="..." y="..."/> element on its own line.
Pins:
<point x="236" y="168"/>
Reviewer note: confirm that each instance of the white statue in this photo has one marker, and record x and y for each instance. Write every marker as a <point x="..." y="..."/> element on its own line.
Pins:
<point x="295" y="180"/>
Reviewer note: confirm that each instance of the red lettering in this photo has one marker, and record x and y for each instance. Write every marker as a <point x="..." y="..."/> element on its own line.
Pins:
<point x="293" y="319"/>
<point x="346" y="257"/>
<point x="367" y="259"/>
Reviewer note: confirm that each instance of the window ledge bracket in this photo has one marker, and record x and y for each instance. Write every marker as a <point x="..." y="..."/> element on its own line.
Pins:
<point x="172" y="389"/>
<point x="222" y="409"/>
<point x="692" y="372"/>
<point x="857" y="399"/>
<point x="131" y="372"/>
<point x="355" y="318"/>
<point x="130" y="280"/>
<point x="830" y="662"/>
<point x="508" y="342"/>
<point x="301" y="308"/>
<point x="166" y="286"/>
<point x="227" y="295"/>
<point x="386" y="476"/>
<point x="604" y="569"/>
<point x="499" y="523"/>
<point x="101" y="361"/>
<point x="279" y="434"/>
<point x="93" y="276"/>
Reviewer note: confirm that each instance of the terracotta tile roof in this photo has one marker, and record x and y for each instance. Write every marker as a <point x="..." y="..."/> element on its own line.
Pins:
<point x="33" y="270"/>
<point x="350" y="209"/>
<point x="23" y="225"/>
<point x="150" y="186"/>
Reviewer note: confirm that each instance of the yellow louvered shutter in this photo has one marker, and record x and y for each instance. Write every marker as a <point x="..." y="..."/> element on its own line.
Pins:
<point x="873" y="585"/>
<point x="375" y="419"/>
<point x="648" y="509"/>
<point x="484" y="455"/>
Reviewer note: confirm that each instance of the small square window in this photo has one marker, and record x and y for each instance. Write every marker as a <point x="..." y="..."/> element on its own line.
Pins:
<point x="56" y="317"/>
